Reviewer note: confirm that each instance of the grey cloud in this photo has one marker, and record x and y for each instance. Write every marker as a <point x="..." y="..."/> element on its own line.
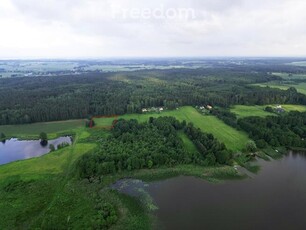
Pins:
<point x="240" y="27"/>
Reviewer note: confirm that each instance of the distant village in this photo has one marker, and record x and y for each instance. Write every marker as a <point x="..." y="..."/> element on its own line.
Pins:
<point x="153" y="109"/>
<point x="202" y="109"/>
<point x="205" y="109"/>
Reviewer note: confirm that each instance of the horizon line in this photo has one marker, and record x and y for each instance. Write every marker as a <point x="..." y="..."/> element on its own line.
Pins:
<point x="150" y="57"/>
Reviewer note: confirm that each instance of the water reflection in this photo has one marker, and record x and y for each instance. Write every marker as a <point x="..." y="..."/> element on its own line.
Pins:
<point x="14" y="149"/>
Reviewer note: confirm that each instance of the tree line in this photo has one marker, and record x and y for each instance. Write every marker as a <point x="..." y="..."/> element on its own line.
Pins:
<point x="134" y="146"/>
<point x="287" y="130"/>
<point x="40" y="99"/>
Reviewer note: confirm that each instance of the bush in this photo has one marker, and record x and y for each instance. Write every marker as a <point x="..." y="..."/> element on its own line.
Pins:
<point x="106" y="215"/>
<point x="90" y="123"/>
<point x="269" y="109"/>
<point x="251" y="146"/>
<point x="261" y="144"/>
<point x="43" y="139"/>
<point x="51" y="147"/>
<point x="62" y="145"/>
<point x="2" y="136"/>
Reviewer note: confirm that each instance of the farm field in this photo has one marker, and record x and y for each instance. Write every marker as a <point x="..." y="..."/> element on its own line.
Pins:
<point x="258" y="110"/>
<point x="300" y="108"/>
<point x="298" y="63"/>
<point x="301" y="87"/>
<point x="286" y="76"/>
<point x="232" y="138"/>
<point x="248" y="111"/>
<point x="33" y="130"/>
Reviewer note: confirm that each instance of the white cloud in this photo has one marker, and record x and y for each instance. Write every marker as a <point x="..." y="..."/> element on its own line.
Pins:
<point x="88" y="28"/>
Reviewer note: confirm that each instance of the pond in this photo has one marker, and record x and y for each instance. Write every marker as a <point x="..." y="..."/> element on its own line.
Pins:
<point x="14" y="149"/>
<point x="273" y="199"/>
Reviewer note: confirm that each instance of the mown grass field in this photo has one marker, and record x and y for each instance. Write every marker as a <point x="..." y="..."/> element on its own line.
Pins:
<point x="301" y="87"/>
<point x="286" y="76"/>
<point x="247" y="111"/>
<point x="259" y="110"/>
<point x="300" y="108"/>
<point x="33" y="130"/>
<point x="188" y="144"/>
<point x="232" y="138"/>
<point x="298" y="63"/>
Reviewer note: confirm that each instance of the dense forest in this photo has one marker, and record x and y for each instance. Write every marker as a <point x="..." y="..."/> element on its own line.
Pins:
<point x="288" y="130"/>
<point x="51" y="98"/>
<point x="134" y="145"/>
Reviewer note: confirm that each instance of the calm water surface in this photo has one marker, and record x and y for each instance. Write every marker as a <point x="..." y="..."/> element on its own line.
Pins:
<point x="273" y="199"/>
<point x="14" y="149"/>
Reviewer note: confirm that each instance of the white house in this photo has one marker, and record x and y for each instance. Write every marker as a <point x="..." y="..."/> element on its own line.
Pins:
<point x="279" y="107"/>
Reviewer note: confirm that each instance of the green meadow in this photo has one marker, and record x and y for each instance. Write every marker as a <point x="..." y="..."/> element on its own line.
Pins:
<point x="188" y="144"/>
<point x="300" y="87"/>
<point x="33" y="130"/>
<point x="298" y="63"/>
<point x="300" y="108"/>
<point x="248" y="111"/>
<point x="287" y="76"/>
<point x="259" y="110"/>
<point x="31" y="190"/>
<point x="232" y="138"/>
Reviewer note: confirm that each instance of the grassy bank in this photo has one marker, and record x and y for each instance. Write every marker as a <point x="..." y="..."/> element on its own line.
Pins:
<point x="212" y="174"/>
<point x="44" y="193"/>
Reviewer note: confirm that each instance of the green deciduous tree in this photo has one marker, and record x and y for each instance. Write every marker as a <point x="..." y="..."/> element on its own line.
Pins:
<point x="43" y="138"/>
<point x="251" y="146"/>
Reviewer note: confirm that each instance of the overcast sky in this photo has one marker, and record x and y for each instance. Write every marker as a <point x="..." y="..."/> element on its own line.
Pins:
<point x="159" y="28"/>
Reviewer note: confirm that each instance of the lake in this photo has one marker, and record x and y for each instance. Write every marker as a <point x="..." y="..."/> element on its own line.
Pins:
<point x="14" y="149"/>
<point x="275" y="198"/>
